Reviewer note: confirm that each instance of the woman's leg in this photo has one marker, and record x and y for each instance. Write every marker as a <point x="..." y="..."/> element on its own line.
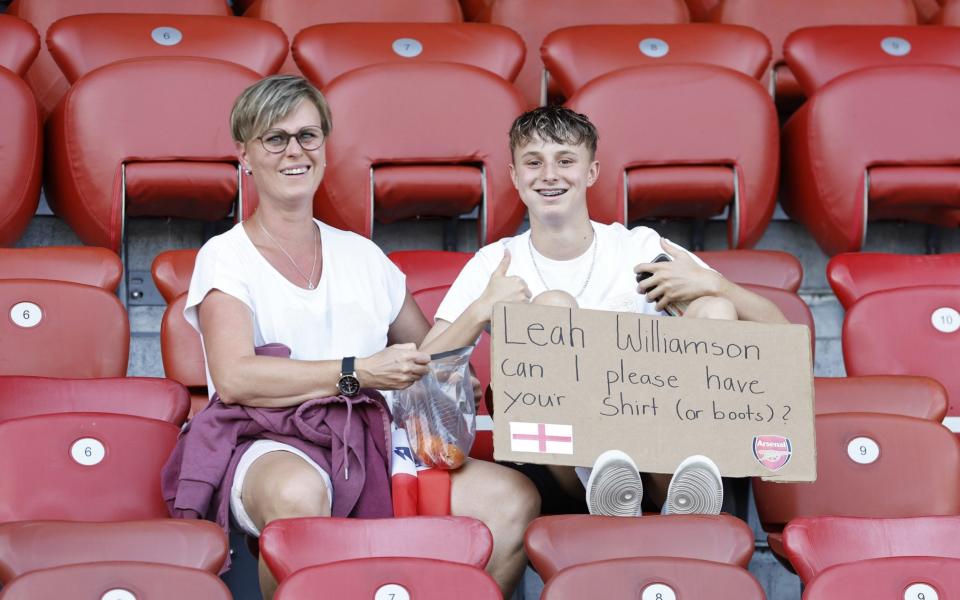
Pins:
<point x="506" y="501"/>
<point x="281" y="485"/>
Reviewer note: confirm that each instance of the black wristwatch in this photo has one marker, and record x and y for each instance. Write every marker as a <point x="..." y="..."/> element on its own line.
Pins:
<point x="348" y="384"/>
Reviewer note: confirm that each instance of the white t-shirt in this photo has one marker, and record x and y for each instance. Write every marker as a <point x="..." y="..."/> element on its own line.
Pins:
<point x="359" y="295"/>
<point x="612" y="284"/>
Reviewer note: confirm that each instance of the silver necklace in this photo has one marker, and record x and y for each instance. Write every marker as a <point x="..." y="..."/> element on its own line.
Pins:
<point x="309" y="279"/>
<point x="593" y="262"/>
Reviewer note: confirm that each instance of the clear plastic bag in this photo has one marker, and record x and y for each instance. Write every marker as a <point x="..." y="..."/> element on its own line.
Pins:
<point x="438" y="412"/>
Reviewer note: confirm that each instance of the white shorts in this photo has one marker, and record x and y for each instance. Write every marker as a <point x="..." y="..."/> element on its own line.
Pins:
<point x="255" y="451"/>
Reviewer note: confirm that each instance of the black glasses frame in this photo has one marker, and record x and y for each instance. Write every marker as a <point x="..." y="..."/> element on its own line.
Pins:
<point x="305" y="142"/>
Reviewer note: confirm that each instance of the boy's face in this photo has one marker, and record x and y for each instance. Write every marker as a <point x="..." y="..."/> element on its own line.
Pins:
<point x="553" y="178"/>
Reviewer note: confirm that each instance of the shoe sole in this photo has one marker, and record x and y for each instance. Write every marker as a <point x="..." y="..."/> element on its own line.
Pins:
<point x="614" y="488"/>
<point x="695" y="489"/>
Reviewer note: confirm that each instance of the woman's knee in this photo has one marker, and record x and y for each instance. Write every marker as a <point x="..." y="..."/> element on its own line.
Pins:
<point x="712" y="307"/>
<point x="285" y="490"/>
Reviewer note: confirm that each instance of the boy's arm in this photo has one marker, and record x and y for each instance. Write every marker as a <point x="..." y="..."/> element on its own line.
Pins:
<point x="683" y="280"/>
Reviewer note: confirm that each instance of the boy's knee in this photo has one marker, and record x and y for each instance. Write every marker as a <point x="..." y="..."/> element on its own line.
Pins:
<point x="555" y="298"/>
<point x="712" y="307"/>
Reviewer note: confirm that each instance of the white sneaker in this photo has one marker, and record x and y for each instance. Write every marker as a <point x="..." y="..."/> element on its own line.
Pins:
<point x="614" y="487"/>
<point x="696" y="488"/>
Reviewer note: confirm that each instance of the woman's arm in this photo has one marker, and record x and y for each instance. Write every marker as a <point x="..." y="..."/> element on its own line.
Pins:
<point x="242" y="377"/>
<point x="683" y="280"/>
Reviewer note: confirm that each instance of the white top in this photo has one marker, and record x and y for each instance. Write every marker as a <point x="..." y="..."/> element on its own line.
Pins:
<point x="359" y="295"/>
<point x="612" y="286"/>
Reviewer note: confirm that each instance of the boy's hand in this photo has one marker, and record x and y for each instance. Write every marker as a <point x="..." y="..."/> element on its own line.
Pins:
<point x="680" y="280"/>
<point x="503" y="287"/>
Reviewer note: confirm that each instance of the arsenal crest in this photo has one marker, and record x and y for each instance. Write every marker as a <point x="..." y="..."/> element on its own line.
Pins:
<point x="772" y="451"/>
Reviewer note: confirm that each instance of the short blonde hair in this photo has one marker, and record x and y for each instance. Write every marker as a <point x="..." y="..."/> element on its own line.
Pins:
<point x="271" y="99"/>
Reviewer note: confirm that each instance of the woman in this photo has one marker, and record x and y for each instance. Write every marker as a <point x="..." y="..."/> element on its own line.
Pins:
<point x="343" y="311"/>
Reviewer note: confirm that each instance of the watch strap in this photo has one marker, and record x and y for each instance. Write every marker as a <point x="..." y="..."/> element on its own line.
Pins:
<point x="347" y="365"/>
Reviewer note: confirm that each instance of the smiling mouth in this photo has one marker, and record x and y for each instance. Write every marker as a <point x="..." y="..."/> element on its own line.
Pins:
<point x="552" y="193"/>
<point x="295" y="171"/>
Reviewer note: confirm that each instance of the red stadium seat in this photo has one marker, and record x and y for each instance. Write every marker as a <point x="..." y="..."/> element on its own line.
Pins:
<point x="83" y="467"/>
<point x="653" y="577"/>
<point x="893" y="161"/>
<point x="948" y="15"/>
<point x="20" y="162"/>
<point x="778" y="18"/>
<point x="96" y="267"/>
<point x="144" y="137"/>
<point x="854" y="275"/>
<point x="576" y="55"/>
<point x="153" y="398"/>
<point x="700" y="10"/>
<point x="929" y="10"/>
<point x="97" y="580"/>
<point x="919" y="397"/>
<point x="324" y="52"/>
<point x="295" y="15"/>
<point x="910" y="577"/>
<point x="693" y="141"/>
<point x="920" y="340"/>
<point x="83" y="43"/>
<point x="288" y="545"/>
<point x="817" y="55"/>
<point x="915" y="471"/>
<point x="557" y="542"/>
<point x="430" y="273"/>
<point x="44" y="76"/>
<point x="814" y="544"/>
<point x="27" y="546"/>
<point x="534" y="19"/>
<point x="19" y="44"/>
<point x="420" y="578"/>
<point x="382" y="161"/>
<point x="768" y="268"/>
<point x="180" y="345"/>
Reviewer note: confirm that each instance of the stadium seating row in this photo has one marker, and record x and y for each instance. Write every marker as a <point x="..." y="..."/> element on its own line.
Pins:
<point x="669" y="152"/>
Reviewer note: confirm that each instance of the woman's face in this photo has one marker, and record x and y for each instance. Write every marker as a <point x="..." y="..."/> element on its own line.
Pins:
<point x="293" y="174"/>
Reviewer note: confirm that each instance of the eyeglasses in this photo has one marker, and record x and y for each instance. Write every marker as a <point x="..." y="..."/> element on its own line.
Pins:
<point x="276" y="141"/>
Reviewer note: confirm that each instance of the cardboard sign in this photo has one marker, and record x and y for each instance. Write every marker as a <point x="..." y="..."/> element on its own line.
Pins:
<point x="570" y="384"/>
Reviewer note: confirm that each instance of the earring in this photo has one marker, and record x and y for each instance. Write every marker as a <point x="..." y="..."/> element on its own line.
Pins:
<point x="247" y="170"/>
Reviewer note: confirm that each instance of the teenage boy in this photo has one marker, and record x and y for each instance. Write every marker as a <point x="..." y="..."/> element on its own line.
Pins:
<point x="553" y="152"/>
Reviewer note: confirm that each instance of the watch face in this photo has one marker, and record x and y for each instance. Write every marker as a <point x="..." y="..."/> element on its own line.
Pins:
<point x="349" y="385"/>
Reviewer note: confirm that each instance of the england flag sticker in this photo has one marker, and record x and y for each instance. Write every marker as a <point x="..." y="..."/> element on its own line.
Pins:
<point x="541" y="438"/>
<point x="772" y="451"/>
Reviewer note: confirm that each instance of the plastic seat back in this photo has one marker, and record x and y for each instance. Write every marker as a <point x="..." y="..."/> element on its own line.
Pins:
<point x="421" y="578"/>
<point x="324" y="52"/>
<point x="915" y="470"/>
<point x="637" y="577"/>
<point x="180" y="345"/>
<point x="294" y="15"/>
<point x="575" y="55"/>
<point x="174" y="152"/>
<point x="95" y="267"/>
<point x="769" y="268"/>
<point x="948" y="15"/>
<point x="20" y="162"/>
<point x="534" y="19"/>
<point x="919" y="397"/>
<point x="919" y="577"/>
<point x="19" y="44"/>
<point x="62" y="329"/>
<point x="817" y="55"/>
<point x="776" y="19"/>
<point x="855" y="274"/>
<point x="149" y="397"/>
<point x="815" y="544"/>
<point x="894" y="161"/>
<point x="95" y="580"/>
<point x="693" y="141"/>
<point x="555" y="543"/>
<point x="27" y="546"/>
<point x="920" y="340"/>
<point x="82" y="43"/>
<point x="83" y="467"/>
<point x="420" y="139"/>
<point x="289" y="545"/>
<point x="44" y="77"/>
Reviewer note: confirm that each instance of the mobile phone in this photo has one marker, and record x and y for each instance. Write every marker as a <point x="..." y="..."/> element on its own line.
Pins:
<point x="646" y="274"/>
<point x="673" y="309"/>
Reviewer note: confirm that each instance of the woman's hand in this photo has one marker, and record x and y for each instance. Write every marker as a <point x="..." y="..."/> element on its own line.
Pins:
<point x="679" y="280"/>
<point x="393" y="368"/>
<point x="503" y="287"/>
